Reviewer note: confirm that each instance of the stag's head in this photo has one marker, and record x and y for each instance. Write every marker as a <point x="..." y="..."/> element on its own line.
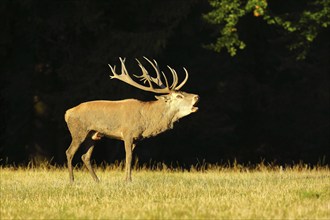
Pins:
<point x="181" y="102"/>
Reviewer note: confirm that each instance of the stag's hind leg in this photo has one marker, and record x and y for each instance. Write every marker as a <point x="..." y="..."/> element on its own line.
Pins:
<point x="86" y="158"/>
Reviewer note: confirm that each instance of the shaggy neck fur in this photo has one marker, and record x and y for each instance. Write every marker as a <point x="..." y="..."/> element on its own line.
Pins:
<point x="163" y="117"/>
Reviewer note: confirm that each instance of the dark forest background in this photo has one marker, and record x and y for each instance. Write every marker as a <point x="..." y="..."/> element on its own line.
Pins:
<point x="262" y="104"/>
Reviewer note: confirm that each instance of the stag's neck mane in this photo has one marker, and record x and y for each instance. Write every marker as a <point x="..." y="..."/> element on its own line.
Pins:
<point x="158" y="117"/>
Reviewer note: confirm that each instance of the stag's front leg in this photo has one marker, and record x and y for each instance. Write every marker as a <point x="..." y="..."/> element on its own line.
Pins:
<point x="129" y="146"/>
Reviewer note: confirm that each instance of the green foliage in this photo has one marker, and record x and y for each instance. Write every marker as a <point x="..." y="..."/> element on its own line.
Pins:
<point x="301" y="25"/>
<point x="226" y="13"/>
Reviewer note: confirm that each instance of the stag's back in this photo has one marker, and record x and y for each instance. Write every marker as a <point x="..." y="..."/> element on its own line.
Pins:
<point x="108" y="117"/>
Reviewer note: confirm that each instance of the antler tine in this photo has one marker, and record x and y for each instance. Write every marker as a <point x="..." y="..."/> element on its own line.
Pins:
<point x="158" y="79"/>
<point x="123" y="76"/>
<point x="184" y="81"/>
<point x="156" y="68"/>
<point x="145" y="75"/>
<point x="165" y="79"/>
<point x="113" y="70"/>
<point x="123" y="67"/>
<point x="175" y="78"/>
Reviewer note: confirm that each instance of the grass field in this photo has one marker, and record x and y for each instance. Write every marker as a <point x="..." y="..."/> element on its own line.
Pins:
<point x="217" y="193"/>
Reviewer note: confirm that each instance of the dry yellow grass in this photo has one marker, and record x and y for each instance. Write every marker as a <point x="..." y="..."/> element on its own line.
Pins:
<point x="213" y="194"/>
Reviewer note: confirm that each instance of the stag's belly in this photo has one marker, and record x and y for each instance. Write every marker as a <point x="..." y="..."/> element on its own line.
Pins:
<point x="98" y="133"/>
<point x="121" y="131"/>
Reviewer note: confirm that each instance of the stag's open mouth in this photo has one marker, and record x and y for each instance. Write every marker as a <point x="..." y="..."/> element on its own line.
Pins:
<point x="194" y="107"/>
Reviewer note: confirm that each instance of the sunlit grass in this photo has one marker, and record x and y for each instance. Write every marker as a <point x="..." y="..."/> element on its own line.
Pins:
<point x="208" y="192"/>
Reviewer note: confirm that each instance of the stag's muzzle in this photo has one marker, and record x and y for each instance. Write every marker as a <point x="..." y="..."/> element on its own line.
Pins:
<point x="194" y="107"/>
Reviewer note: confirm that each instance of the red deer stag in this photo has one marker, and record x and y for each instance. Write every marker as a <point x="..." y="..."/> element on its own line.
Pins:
<point x="129" y="120"/>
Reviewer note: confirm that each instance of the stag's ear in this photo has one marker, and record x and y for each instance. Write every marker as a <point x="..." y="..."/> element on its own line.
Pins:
<point x="162" y="97"/>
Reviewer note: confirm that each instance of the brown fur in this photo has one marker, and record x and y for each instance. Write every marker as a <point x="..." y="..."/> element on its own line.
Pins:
<point x="128" y="120"/>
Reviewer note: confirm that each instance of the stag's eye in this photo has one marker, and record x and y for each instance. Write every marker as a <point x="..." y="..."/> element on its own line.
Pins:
<point x="179" y="96"/>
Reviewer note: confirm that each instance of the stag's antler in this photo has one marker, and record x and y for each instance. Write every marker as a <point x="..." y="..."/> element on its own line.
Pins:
<point x="145" y="77"/>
